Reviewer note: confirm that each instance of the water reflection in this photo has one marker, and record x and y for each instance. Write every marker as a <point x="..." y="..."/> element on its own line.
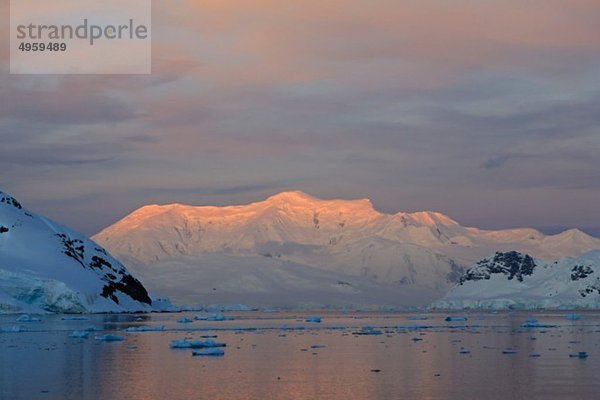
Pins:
<point x="447" y="363"/>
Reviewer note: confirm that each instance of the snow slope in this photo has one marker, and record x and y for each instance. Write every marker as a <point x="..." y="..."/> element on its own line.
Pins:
<point x="46" y="267"/>
<point x="346" y="237"/>
<point x="516" y="280"/>
<point x="220" y="279"/>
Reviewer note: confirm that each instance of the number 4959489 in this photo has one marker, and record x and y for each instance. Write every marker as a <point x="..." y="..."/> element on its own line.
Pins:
<point x="50" y="46"/>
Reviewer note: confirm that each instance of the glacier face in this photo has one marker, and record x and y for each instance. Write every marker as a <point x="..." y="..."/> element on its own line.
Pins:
<point x="514" y="280"/>
<point x="46" y="267"/>
<point x="345" y="237"/>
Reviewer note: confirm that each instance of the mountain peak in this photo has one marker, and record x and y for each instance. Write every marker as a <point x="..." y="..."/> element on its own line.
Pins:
<point x="291" y="196"/>
<point x="299" y="198"/>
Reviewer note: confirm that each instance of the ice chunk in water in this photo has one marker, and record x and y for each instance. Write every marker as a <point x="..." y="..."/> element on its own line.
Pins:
<point x="195" y="344"/>
<point x="314" y="319"/>
<point x="79" y="334"/>
<point x="455" y="318"/>
<point x="573" y="317"/>
<point x="109" y="337"/>
<point x="580" y="354"/>
<point x="208" y="352"/>
<point x="367" y="330"/>
<point x="145" y="328"/>
<point x="213" y="317"/>
<point x="184" y="320"/>
<point x="533" y="323"/>
<point x="27" y="318"/>
<point x="180" y="344"/>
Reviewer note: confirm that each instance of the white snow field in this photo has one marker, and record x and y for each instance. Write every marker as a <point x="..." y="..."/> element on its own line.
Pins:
<point x="293" y="248"/>
<point x="46" y="267"/>
<point x="516" y="281"/>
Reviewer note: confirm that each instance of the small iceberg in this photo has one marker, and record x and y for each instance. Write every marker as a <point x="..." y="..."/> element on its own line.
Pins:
<point x="209" y="352"/>
<point x="195" y="344"/>
<point x="145" y="328"/>
<point x="213" y="317"/>
<point x="417" y="318"/>
<point x="579" y="354"/>
<point x="92" y="328"/>
<point x="184" y="320"/>
<point x="455" y="319"/>
<point x="534" y="323"/>
<point x="314" y="319"/>
<point x="27" y="318"/>
<point x="573" y="317"/>
<point x="109" y="337"/>
<point x="180" y="344"/>
<point x="367" y="330"/>
<point x="79" y="334"/>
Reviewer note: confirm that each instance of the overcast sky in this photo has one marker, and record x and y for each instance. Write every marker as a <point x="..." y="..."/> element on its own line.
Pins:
<point x="488" y="111"/>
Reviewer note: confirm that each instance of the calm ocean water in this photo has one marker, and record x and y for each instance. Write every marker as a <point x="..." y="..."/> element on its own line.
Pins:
<point x="281" y="356"/>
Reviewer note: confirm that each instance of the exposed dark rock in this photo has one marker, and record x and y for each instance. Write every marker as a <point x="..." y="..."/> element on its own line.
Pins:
<point x="512" y="263"/>
<point x="581" y="272"/>
<point x="73" y="248"/>
<point x="10" y="201"/>
<point x="128" y="285"/>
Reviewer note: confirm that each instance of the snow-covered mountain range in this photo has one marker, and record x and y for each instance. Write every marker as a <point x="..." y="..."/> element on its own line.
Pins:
<point x="516" y="280"/>
<point x="176" y="249"/>
<point x="46" y="267"/>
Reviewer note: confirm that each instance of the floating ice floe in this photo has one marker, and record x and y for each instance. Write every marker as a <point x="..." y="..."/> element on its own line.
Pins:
<point x="184" y="320"/>
<point x="367" y="330"/>
<point x="416" y="318"/>
<point x="91" y="328"/>
<point x="145" y="328"/>
<point x="208" y="352"/>
<point x="573" y="317"/>
<point x="314" y="319"/>
<point x="213" y="317"/>
<point x="195" y="344"/>
<point x="109" y="337"/>
<point x="79" y="334"/>
<point x="534" y="323"/>
<point x="27" y="318"/>
<point x="580" y="354"/>
<point x="455" y="319"/>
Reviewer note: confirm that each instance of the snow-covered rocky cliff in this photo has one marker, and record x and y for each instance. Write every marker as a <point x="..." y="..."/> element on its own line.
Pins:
<point x="46" y="267"/>
<point x="518" y="281"/>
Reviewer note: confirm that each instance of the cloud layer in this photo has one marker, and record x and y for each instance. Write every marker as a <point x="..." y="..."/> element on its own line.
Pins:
<point x="487" y="111"/>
